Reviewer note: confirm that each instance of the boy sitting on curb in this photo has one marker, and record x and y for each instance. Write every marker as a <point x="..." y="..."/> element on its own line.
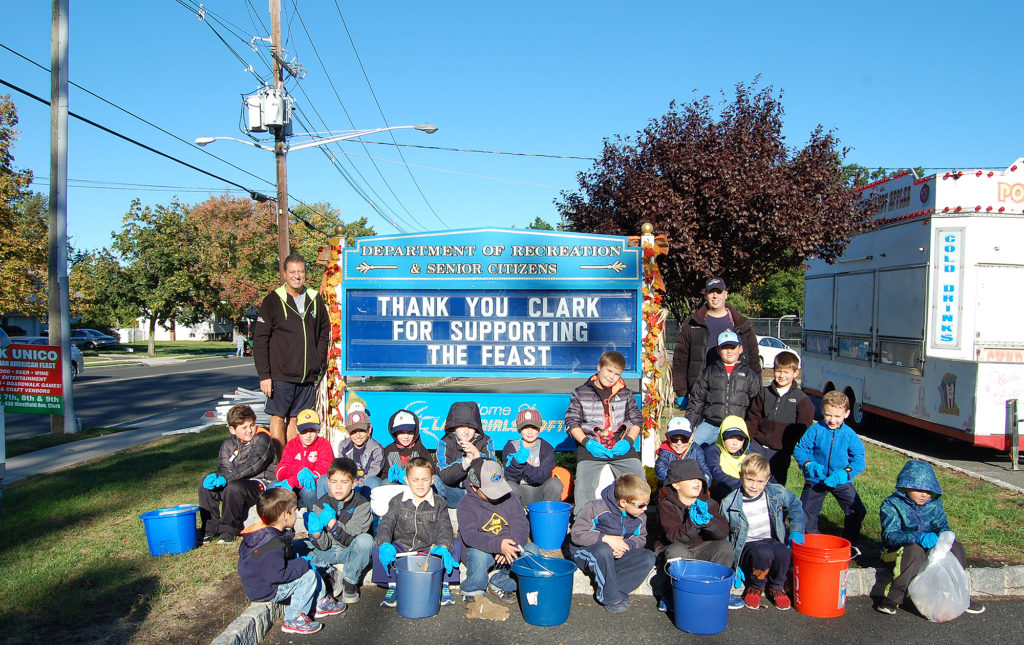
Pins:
<point x="530" y="462"/>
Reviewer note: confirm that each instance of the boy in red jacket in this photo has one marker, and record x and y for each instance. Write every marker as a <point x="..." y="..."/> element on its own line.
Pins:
<point x="306" y="458"/>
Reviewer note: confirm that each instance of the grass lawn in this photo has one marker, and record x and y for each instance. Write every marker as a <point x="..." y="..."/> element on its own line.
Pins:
<point x="74" y="564"/>
<point x="17" y="447"/>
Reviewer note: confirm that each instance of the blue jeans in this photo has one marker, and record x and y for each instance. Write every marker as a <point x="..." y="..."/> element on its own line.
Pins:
<point x="479" y="563"/>
<point x="705" y="433"/>
<point x="452" y="495"/>
<point x="305" y="592"/>
<point x="308" y="497"/>
<point x="355" y="557"/>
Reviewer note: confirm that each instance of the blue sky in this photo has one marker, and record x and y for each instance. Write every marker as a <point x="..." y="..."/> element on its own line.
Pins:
<point x="903" y="84"/>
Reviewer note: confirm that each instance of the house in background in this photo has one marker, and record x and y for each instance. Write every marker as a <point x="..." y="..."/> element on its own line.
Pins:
<point x="210" y="329"/>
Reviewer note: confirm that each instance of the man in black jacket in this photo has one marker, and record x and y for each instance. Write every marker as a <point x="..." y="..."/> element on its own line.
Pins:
<point x="290" y="341"/>
<point x="693" y="352"/>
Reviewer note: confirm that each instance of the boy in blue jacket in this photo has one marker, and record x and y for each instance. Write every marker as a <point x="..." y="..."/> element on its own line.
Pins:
<point x="530" y="462"/>
<point x="678" y="445"/>
<point x="270" y="571"/>
<point x="912" y="518"/>
<point x="494" y="529"/>
<point x="831" y="455"/>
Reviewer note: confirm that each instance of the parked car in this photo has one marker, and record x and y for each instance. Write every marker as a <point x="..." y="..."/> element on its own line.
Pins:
<point x="5" y="340"/>
<point x="91" y="339"/>
<point x="768" y="347"/>
<point x="77" y="360"/>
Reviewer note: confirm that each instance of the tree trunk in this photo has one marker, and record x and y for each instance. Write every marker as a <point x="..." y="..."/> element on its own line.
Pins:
<point x="174" y="328"/>
<point x="152" y="340"/>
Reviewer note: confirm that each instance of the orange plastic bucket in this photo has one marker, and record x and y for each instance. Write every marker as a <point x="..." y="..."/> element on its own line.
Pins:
<point x="820" y="565"/>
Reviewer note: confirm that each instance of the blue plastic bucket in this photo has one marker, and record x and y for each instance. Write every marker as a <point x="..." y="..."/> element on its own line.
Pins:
<point x="171" y="530"/>
<point x="700" y="595"/>
<point x="549" y="523"/>
<point x="545" y="588"/>
<point x="418" y="591"/>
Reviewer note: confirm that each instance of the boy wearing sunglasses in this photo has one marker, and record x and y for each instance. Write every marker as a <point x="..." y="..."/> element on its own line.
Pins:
<point x="678" y="445"/>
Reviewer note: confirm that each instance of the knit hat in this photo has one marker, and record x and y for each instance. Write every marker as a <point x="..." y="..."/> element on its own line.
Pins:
<point x="486" y="475"/>
<point x="528" y="418"/>
<point x="683" y="469"/>
<point x="307" y="420"/>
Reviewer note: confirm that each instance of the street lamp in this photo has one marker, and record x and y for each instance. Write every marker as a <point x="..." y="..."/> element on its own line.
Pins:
<point x="281" y="149"/>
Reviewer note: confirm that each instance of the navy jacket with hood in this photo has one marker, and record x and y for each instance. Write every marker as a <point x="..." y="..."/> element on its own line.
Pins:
<point x="266" y="559"/>
<point x="902" y="520"/>
<point x="604" y="517"/>
<point x="450" y="459"/>
<point x="395" y="454"/>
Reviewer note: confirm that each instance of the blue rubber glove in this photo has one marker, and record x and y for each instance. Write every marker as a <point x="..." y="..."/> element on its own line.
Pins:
<point x="327" y="515"/>
<point x="620" y="448"/>
<point x="210" y="481"/>
<point x="796" y="537"/>
<point x="281" y="484"/>
<point x="312" y="522"/>
<point x="814" y="470"/>
<point x="388" y="553"/>
<point x="522" y="455"/>
<point x="220" y="482"/>
<point x="308" y="558"/>
<point x="307" y="479"/>
<point x="446" y="557"/>
<point x="838" y="478"/>
<point x="699" y="513"/>
<point x="396" y="474"/>
<point x="682" y="402"/>
<point x="928" y="540"/>
<point x="738" y="579"/>
<point x="597" y="449"/>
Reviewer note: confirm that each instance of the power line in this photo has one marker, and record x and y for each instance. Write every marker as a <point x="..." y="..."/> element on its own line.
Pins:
<point x="488" y="152"/>
<point x="381" y="110"/>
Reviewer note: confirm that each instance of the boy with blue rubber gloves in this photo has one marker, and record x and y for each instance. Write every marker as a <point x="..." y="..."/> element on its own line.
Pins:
<point x="404" y="427"/>
<point x="270" y="571"/>
<point x="831" y="455"/>
<point x="604" y="419"/>
<point x="305" y="458"/>
<point x="758" y="514"/>
<point x="726" y="387"/>
<point x="463" y="441"/>
<point x="607" y="541"/>
<point x="912" y="518"/>
<point x="338" y="524"/>
<point x="678" y="445"/>
<point x="417" y="521"/>
<point x="530" y="462"/>
<point x="245" y="468"/>
<point x="494" y="530"/>
<point x="725" y="458"/>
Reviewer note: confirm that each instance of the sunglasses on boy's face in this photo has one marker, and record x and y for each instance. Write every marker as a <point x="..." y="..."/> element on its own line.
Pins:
<point x="637" y="505"/>
<point x="678" y="439"/>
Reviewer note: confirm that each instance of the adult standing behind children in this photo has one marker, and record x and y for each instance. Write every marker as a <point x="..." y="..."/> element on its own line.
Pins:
<point x="697" y="340"/>
<point x="604" y="419"/>
<point x="290" y="340"/>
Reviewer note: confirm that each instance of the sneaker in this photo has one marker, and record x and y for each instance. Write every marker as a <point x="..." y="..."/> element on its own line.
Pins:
<point x="887" y="606"/>
<point x="975" y="608"/>
<point x="209" y="536"/>
<point x="227" y="538"/>
<point x="349" y="592"/>
<point x="662" y="606"/>
<point x="504" y="597"/>
<point x="779" y="599"/>
<point x="752" y="599"/>
<point x="301" y="625"/>
<point x="468" y="600"/>
<point x="618" y="608"/>
<point x="446" y="595"/>
<point x="327" y="607"/>
<point x="390" y="598"/>
<point x="735" y="602"/>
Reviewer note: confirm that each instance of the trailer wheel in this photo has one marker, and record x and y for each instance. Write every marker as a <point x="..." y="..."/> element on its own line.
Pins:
<point x="858" y="417"/>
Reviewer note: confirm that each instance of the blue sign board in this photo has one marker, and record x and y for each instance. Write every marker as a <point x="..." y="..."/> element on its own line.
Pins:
<point x="497" y="412"/>
<point x="490" y="302"/>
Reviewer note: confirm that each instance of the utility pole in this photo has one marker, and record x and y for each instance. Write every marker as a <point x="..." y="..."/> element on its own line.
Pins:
<point x="57" y="279"/>
<point x="280" y="140"/>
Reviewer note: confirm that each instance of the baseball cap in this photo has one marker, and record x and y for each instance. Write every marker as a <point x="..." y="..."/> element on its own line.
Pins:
<point x="679" y="426"/>
<point x="357" y="420"/>
<point x="528" y="418"/>
<point x="403" y="421"/>
<point x="486" y="475"/>
<point x="307" y="420"/>
<point x="728" y="337"/>
<point x="734" y="426"/>
<point x="714" y="283"/>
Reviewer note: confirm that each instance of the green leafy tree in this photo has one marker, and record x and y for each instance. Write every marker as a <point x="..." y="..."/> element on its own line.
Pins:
<point x="781" y="294"/>
<point x="732" y="199"/>
<point x="160" y="275"/>
<point x="22" y="233"/>
<point x="856" y="175"/>
<point x="93" y="281"/>
<point x="540" y="225"/>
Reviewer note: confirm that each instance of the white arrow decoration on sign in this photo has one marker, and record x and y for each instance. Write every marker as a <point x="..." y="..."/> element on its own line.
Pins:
<point x="364" y="267"/>
<point x="616" y="266"/>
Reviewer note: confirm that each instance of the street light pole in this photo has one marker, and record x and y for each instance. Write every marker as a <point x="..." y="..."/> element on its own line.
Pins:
<point x="280" y="141"/>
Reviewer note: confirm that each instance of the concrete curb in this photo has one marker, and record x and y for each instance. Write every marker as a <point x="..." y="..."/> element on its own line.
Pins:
<point x="986" y="582"/>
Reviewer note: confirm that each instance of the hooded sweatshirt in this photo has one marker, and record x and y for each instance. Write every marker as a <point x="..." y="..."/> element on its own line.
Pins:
<point x="395" y="454"/>
<point x="266" y="559"/>
<point x="903" y="521"/>
<point x="675" y="515"/>
<point x="484" y="523"/>
<point x="604" y="517"/>
<point x="288" y="346"/>
<point x="725" y="465"/>
<point x="317" y="457"/>
<point x="452" y="462"/>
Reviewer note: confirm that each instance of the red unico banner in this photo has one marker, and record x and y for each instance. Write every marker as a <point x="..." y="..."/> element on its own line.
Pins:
<point x="30" y="379"/>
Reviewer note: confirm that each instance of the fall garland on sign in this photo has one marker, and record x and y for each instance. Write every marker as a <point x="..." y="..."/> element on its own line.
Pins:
<point x="656" y="377"/>
<point x="330" y="404"/>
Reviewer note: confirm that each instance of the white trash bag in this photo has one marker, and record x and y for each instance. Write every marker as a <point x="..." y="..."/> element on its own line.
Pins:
<point x="942" y="591"/>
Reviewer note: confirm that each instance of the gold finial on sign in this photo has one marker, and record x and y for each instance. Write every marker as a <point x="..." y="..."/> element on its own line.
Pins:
<point x="646" y="228"/>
